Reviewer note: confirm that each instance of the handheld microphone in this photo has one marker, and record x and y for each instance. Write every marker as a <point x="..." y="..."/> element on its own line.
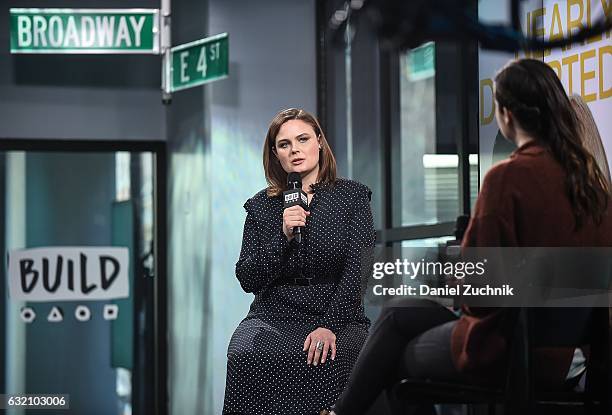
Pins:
<point x="295" y="196"/>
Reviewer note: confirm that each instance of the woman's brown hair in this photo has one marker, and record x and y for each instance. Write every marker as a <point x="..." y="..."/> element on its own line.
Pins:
<point x="531" y="90"/>
<point x="276" y="176"/>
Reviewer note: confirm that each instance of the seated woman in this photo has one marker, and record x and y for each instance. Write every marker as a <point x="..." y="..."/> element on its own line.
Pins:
<point x="549" y="193"/>
<point x="308" y="296"/>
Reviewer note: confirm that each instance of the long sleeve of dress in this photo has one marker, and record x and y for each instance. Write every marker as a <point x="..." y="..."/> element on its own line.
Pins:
<point x="493" y="223"/>
<point x="348" y="295"/>
<point x="263" y="256"/>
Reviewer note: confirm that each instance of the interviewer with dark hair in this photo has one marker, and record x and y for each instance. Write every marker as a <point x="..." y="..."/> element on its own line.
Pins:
<point x="295" y="349"/>
<point x="549" y="193"/>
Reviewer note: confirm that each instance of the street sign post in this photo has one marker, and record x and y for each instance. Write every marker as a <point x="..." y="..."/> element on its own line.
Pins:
<point x="197" y="63"/>
<point x="84" y="31"/>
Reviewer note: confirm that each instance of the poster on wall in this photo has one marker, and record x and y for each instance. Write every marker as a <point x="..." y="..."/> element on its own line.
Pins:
<point x="584" y="68"/>
<point x="68" y="273"/>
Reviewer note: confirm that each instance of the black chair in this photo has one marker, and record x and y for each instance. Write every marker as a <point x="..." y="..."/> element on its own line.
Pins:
<point x="534" y="328"/>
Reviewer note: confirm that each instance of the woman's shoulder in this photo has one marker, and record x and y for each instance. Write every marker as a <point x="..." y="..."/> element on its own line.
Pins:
<point x="351" y="189"/>
<point x="519" y="169"/>
<point x="496" y="175"/>
<point x="260" y="200"/>
<point x="350" y="185"/>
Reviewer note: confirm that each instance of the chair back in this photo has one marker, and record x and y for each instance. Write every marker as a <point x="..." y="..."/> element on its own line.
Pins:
<point x="561" y="327"/>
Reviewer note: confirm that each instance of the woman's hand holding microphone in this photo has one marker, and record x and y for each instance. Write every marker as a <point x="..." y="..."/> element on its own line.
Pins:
<point x="293" y="216"/>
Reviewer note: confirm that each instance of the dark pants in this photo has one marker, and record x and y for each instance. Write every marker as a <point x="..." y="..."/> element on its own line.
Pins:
<point x="415" y="332"/>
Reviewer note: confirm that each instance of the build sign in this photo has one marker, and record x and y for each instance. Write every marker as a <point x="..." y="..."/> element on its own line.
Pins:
<point x="68" y="273"/>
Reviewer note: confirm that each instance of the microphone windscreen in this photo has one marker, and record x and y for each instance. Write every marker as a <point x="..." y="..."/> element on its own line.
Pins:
<point x="294" y="177"/>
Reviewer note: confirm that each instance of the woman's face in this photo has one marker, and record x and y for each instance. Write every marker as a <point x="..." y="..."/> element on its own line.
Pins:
<point x="297" y="148"/>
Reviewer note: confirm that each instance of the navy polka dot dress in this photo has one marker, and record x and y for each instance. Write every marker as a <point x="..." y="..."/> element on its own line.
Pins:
<point x="267" y="371"/>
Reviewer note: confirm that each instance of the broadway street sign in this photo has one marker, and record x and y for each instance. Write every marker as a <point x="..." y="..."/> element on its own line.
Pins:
<point x="198" y="62"/>
<point x="84" y="31"/>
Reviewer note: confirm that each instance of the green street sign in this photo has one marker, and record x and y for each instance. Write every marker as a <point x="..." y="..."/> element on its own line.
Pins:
<point x="422" y="62"/>
<point x="84" y="30"/>
<point x="199" y="62"/>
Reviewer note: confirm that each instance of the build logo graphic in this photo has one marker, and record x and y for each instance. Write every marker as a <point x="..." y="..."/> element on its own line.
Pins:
<point x="68" y="274"/>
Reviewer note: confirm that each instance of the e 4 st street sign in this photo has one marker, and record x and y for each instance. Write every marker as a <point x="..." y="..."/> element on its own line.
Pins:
<point x="84" y="31"/>
<point x="198" y="62"/>
<point x="97" y="31"/>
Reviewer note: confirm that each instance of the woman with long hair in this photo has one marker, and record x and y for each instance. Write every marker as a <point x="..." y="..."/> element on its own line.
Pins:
<point x="549" y="193"/>
<point x="293" y="352"/>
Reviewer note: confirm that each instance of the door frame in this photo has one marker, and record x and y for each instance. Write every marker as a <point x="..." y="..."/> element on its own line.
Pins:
<point x="157" y="390"/>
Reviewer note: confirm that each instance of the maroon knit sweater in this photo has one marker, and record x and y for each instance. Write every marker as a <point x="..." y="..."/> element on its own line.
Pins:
<point x="522" y="202"/>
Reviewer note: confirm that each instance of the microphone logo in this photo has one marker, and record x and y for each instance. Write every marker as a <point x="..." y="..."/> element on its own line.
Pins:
<point x="291" y="197"/>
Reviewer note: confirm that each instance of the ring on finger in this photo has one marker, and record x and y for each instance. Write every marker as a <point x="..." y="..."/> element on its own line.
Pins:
<point x="319" y="345"/>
